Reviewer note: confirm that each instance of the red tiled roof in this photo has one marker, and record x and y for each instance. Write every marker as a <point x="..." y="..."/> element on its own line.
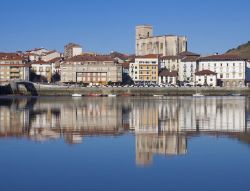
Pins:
<point x="85" y="57"/>
<point x="222" y="57"/>
<point x="70" y="45"/>
<point x="125" y="65"/>
<point x="170" y="57"/>
<point x="204" y="73"/>
<point x="55" y="59"/>
<point x="10" y="56"/>
<point x="39" y="62"/>
<point x="190" y="59"/>
<point x="168" y="73"/>
<point x="187" y="53"/>
<point x="150" y="56"/>
<point x="16" y="65"/>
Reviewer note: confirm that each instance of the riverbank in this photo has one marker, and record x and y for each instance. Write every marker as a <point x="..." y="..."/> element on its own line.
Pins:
<point x="54" y="90"/>
<point x="48" y="90"/>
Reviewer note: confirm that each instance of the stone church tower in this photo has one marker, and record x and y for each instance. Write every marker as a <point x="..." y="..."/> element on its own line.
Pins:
<point x="166" y="45"/>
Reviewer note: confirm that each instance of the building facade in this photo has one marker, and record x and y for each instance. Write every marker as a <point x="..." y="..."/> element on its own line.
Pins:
<point x="230" y="69"/>
<point x="95" y="69"/>
<point x="42" y="68"/>
<point x="166" y="45"/>
<point x="168" y="77"/>
<point x="71" y="50"/>
<point x="206" y="78"/>
<point x="12" y="66"/>
<point x="145" y="69"/>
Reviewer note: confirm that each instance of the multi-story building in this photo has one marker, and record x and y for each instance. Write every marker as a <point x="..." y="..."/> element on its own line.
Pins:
<point x="71" y="50"/>
<point x="12" y="66"/>
<point x="145" y="69"/>
<point x="95" y="69"/>
<point x="230" y="69"/>
<point x="166" y="45"/>
<point x="188" y="67"/>
<point x="43" y="69"/>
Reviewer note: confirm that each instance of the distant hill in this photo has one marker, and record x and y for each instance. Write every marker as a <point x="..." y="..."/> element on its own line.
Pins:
<point x="242" y="50"/>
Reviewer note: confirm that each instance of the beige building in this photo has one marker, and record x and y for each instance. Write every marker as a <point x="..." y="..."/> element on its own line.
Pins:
<point x="166" y="45"/>
<point x="71" y="50"/>
<point x="95" y="69"/>
<point x="144" y="69"/>
<point x="42" y="68"/>
<point x="12" y="67"/>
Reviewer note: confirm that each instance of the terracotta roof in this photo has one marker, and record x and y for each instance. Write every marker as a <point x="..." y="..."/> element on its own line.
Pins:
<point x="39" y="62"/>
<point x="204" y="72"/>
<point x="70" y="45"/>
<point x="10" y="56"/>
<point x="50" y="52"/>
<point x="187" y="53"/>
<point x="170" y="57"/>
<point x="168" y="73"/>
<point x="82" y="58"/>
<point x="150" y="56"/>
<point x="55" y="59"/>
<point x="222" y="57"/>
<point x="16" y="65"/>
<point x="125" y="65"/>
<point x="190" y="59"/>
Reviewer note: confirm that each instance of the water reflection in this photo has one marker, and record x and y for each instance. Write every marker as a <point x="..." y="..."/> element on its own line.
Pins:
<point x="161" y="126"/>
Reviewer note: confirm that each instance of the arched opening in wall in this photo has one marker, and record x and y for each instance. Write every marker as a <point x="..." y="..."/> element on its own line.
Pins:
<point x="234" y="84"/>
<point x="240" y="84"/>
<point x="227" y="84"/>
<point x="22" y="89"/>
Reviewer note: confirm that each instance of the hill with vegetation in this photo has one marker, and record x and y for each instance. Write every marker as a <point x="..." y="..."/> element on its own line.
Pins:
<point x="242" y="50"/>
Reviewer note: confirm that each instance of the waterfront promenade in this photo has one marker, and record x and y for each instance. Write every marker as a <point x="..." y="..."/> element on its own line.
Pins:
<point x="55" y="90"/>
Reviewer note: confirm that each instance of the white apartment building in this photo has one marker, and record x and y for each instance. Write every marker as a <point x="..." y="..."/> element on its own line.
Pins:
<point x="185" y="63"/>
<point x="206" y="78"/>
<point x="145" y="69"/>
<point x="71" y="50"/>
<point x="187" y="68"/>
<point x="230" y="69"/>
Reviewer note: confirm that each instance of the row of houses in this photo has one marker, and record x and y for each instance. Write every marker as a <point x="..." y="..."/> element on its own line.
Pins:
<point x="74" y="66"/>
<point x="214" y="70"/>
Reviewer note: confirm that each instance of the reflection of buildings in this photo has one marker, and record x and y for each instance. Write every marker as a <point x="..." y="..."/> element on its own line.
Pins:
<point x="188" y="114"/>
<point x="161" y="125"/>
<point x="149" y="144"/>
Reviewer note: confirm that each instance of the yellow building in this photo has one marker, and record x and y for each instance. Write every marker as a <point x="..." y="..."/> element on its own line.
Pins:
<point x="145" y="69"/>
<point x="12" y="67"/>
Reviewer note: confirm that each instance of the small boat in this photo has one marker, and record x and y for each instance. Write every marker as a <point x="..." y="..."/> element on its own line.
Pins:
<point x="76" y="95"/>
<point x="236" y="94"/>
<point x="156" y="95"/>
<point x="112" y="95"/>
<point x="94" y="95"/>
<point x="198" y="95"/>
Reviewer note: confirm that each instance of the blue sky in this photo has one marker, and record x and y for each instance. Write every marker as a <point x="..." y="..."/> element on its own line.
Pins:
<point x="105" y="25"/>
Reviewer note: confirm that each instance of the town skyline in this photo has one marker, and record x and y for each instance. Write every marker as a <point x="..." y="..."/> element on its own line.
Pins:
<point x="40" y="25"/>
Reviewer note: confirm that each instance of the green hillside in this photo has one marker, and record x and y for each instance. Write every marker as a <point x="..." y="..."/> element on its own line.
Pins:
<point x="242" y="50"/>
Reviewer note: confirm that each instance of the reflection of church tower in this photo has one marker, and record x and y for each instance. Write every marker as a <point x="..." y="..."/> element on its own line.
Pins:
<point x="149" y="144"/>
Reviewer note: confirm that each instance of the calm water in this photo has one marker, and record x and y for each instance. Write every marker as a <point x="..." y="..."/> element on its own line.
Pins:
<point x="133" y="143"/>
